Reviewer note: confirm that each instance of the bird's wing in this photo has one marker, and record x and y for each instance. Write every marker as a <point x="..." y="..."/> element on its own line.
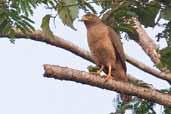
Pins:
<point x="118" y="46"/>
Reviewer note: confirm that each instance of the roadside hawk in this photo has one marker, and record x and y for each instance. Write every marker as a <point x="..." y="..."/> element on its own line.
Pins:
<point x="106" y="48"/>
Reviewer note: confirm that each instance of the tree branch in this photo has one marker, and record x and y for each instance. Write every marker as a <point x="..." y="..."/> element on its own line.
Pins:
<point x="61" y="43"/>
<point x="64" y="73"/>
<point x="147" y="44"/>
<point x="147" y="69"/>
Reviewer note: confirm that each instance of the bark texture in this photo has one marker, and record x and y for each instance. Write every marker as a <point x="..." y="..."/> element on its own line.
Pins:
<point x="147" y="43"/>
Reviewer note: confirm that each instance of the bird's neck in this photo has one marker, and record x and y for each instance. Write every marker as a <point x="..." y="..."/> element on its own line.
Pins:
<point x="91" y="24"/>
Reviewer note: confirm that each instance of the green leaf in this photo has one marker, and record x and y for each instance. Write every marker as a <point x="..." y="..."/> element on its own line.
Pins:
<point x="168" y="90"/>
<point x="122" y="107"/>
<point x="2" y="20"/>
<point x="20" y="27"/>
<point x="128" y="29"/>
<point x="25" y="6"/>
<point x="145" y="107"/>
<point x="4" y="26"/>
<point x="27" y="19"/>
<point x="90" y="7"/>
<point x="73" y="9"/>
<point x="28" y="26"/>
<point x="165" y="58"/>
<point x="148" y="13"/>
<point x="21" y="22"/>
<point x="86" y="6"/>
<point x="107" y="4"/>
<point x="166" y="13"/>
<point x="167" y="110"/>
<point x="68" y="11"/>
<point x="168" y="34"/>
<point x="165" y="2"/>
<point x="93" y="68"/>
<point x="45" y="26"/>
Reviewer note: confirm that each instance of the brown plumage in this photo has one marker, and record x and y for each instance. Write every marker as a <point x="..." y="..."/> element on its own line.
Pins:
<point x="106" y="48"/>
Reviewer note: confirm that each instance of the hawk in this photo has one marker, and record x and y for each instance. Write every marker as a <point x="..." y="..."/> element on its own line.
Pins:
<point x="106" y="48"/>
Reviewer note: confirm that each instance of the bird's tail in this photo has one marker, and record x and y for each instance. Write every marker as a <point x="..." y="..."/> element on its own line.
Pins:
<point x="120" y="75"/>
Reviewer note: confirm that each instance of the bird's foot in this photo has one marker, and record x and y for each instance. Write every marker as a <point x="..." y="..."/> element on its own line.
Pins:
<point x="108" y="77"/>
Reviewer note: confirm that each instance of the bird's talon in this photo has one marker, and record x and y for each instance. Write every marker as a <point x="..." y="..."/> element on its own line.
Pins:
<point x="108" y="77"/>
<point x="109" y="74"/>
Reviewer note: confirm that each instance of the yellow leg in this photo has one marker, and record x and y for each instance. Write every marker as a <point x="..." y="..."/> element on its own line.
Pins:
<point x="108" y="76"/>
<point x="100" y="70"/>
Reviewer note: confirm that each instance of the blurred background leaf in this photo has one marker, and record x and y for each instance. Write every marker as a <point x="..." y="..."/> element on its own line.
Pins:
<point x="68" y="11"/>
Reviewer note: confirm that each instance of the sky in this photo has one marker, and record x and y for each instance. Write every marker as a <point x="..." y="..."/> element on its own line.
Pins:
<point x="24" y="90"/>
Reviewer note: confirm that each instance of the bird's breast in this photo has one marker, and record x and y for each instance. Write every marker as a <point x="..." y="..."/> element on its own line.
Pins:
<point x="100" y="46"/>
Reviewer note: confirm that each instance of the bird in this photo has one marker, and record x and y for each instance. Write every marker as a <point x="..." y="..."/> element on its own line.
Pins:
<point x="106" y="49"/>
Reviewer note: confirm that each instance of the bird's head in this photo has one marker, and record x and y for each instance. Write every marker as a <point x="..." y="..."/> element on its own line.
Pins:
<point x="90" y="19"/>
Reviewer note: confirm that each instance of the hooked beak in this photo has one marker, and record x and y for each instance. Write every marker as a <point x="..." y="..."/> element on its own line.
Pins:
<point x="84" y="18"/>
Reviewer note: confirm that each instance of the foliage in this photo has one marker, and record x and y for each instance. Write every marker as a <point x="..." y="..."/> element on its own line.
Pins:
<point x="167" y="110"/>
<point x="68" y="11"/>
<point x="165" y="52"/>
<point x="14" y="14"/>
<point x="147" y="12"/>
<point x="45" y="26"/>
<point x="165" y="58"/>
<point x="141" y="106"/>
<point x="166" y="33"/>
<point x="137" y="106"/>
<point x="93" y="68"/>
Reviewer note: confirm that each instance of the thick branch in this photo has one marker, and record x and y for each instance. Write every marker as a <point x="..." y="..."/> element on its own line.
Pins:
<point x="64" y="73"/>
<point x="147" y="44"/>
<point x="59" y="42"/>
